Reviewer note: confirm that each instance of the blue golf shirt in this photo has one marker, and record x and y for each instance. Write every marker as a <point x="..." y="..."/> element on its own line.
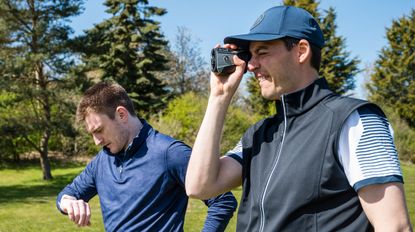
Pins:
<point x="142" y="188"/>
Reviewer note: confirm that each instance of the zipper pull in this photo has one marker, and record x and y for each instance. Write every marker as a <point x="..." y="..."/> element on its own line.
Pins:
<point x="122" y="161"/>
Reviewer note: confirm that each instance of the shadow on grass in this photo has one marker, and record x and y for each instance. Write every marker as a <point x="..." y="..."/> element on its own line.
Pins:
<point x="35" y="163"/>
<point x="31" y="193"/>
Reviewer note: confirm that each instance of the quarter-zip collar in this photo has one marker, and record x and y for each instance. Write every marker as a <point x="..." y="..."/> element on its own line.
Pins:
<point x="301" y="101"/>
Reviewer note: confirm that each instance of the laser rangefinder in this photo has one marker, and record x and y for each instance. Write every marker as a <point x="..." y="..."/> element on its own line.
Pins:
<point x="222" y="59"/>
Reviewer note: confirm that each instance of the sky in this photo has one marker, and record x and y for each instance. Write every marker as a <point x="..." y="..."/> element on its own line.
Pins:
<point x="362" y="23"/>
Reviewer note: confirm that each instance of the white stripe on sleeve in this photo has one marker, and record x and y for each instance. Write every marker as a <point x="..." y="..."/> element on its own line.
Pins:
<point x="367" y="151"/>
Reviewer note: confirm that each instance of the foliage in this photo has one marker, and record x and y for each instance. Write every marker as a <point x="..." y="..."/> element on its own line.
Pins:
<point x="183" y="116"/>
<point x="238" y="120"/>
<point x="336" y="66"/>
<point x="404" y="136"/>
<point x="34" y="58"/>
<point x="128" y="48"/>
<point x="392" y="83"/>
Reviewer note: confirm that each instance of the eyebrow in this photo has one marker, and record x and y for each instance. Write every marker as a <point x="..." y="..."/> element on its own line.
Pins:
<point x="94" y="129"/>
<point x="255" y="50"/>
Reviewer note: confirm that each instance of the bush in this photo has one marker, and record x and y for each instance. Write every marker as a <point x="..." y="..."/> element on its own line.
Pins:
<point x="183" y="117"/>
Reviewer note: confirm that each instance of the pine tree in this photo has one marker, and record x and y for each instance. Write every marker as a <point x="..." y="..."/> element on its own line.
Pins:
<point x="34" y="58"/>
<point x="128" y="48"/>
<point x="392" y="83"/>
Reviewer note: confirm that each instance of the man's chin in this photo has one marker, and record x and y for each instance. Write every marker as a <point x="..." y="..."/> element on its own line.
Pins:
<point x="110" y="149"/>
<point x="270" y="97"/>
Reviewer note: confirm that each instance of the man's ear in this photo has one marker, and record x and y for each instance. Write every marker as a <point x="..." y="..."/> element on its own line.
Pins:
<point x="304" y="51"/>
<point x="122" y="113"/>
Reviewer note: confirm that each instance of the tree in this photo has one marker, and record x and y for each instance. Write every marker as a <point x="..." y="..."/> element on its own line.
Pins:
<point x="392" y="83"/>
<point x="336" y="66"/>
<point x="34" y="58"/>
<point x="128" y="48"/>
<point x="187" y="69"/>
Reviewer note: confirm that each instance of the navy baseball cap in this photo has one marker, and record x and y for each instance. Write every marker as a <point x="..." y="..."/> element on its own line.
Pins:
<point x="278" y="22"/>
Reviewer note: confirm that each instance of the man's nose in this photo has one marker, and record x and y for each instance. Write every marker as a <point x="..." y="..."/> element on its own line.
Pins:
<point x="97" y="140"/>
<point x="252" y="64"/>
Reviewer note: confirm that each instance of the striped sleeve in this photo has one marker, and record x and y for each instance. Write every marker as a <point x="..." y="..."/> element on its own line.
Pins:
<point x="367" y="151"/>
<point x="236" y="152"/>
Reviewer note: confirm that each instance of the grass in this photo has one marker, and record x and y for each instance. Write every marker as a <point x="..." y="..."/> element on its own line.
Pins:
<point x="409" y="183"/>
<point x="27" y="203"/>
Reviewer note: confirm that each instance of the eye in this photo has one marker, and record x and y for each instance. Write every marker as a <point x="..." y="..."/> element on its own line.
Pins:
<point x="261" y="52"/>
<point x="96" y="131"/>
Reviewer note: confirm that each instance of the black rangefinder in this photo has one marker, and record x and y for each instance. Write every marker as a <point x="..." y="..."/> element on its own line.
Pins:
<point x="222" y="59"/>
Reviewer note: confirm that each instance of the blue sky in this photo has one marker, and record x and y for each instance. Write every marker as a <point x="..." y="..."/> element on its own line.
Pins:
<point x="362" y="23"/>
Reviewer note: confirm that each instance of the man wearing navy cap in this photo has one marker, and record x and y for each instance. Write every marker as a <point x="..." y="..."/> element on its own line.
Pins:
<point x="322" y="163"/>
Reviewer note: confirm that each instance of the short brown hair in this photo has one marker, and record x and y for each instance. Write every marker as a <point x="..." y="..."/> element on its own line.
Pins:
<point x="104" y="98"/>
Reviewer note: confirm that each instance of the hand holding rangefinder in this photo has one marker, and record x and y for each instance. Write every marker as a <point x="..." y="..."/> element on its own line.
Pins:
<point x="222" y="60"/>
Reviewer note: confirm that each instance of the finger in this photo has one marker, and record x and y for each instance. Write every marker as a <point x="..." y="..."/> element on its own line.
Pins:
<point x="75" y="217"/>
<point x="82" y="212"/>
<point x="84" y="215"/>
<point x="231" y="46"/>
<point x="88" y="215"/>
<point x="238" y="61"/>
<point x="70" y="211"/>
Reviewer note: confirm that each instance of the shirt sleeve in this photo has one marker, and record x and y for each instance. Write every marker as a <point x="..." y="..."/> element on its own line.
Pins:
<point x="82" y="187"/>
<point x="220" y="212"/>
<point x="178" y="155"/>
<point x="367" y="151"/>
<point x="236" y="152"/>
<point x="220" y="208"/>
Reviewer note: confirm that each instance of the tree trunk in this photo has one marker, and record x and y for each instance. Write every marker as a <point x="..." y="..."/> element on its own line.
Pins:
<point x="45" y="105"/>
<point x="44" y="142"/>
<point x="45" y="164"/>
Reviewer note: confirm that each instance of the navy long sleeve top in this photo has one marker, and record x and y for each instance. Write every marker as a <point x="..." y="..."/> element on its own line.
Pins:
<point x="142" y="188"/>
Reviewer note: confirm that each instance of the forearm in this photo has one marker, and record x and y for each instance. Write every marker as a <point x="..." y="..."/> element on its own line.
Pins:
<point x="204" y="164"/>
<point x="82" y="187"/>
<point x="221" y="209"/>
<point x="206" y="175"/>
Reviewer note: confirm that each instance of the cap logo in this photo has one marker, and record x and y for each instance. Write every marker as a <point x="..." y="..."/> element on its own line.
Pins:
<point x="258" y="21"/>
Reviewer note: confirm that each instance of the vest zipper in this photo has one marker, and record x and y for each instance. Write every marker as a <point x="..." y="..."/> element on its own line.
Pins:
<point x="261" y="205"/>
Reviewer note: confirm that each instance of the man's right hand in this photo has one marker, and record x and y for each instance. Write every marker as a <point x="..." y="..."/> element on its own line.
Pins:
<point x="78" y="210"/>
<point x="207" y="175"/>
<point x="226" y="85"/>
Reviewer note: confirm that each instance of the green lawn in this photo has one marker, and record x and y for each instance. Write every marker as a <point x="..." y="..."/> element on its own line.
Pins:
<point x="28" y="204"/>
